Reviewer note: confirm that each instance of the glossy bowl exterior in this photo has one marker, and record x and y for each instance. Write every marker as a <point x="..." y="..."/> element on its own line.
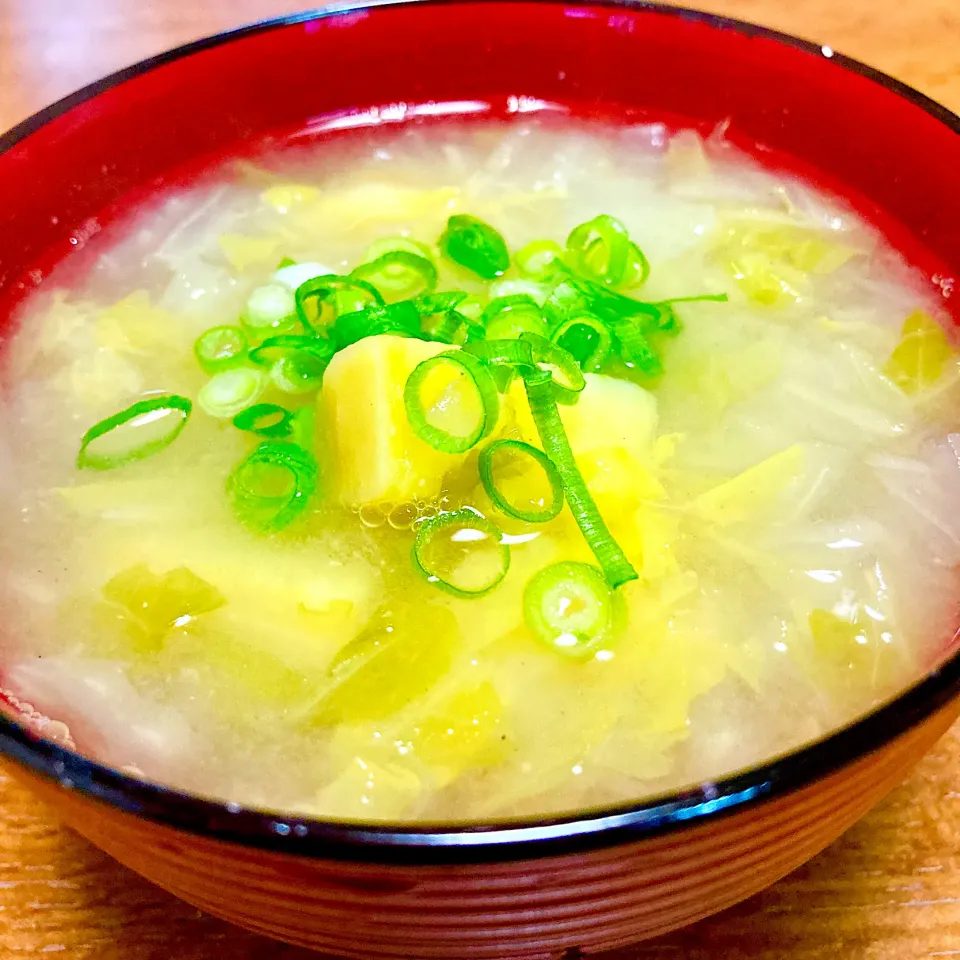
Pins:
<point x="602" y="878"/>
<point x="540" y="907"/>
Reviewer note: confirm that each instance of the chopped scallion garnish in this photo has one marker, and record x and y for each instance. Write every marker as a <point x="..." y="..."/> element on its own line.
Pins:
<point x="475" y="245"/>
<point x="586" y="338"/>
<point x="507" y="317"/>
<point x="571" y="608"/>
<point x="401" y="319"/>
<point x="567" y="376"/>
<point x="451" y="401"/>
<point x="143" y="429"/>
<point x="225" y="394"/>
<point x="498" y="473"/>
<point x="272" y="486"/>
<point x="461" y="553"/>
<point x="600" y="249"/>
<point x="543" y="408"/>
<point x="319" y="301"/>
<point x="220" y="348"/>
<point x="399" y="273"/>
<point x="265" y="420"/>
<point x="536" y="260"/>
<point x="270" y="309"/>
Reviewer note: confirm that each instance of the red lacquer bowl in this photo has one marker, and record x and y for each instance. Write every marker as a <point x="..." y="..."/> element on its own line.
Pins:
<point x="601" y="878"/>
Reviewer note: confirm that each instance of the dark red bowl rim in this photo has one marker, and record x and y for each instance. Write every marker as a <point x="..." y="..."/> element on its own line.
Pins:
<point x="494" y="840"/>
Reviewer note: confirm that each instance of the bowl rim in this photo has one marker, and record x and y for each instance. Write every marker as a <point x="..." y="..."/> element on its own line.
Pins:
<point x="494" y="840"/>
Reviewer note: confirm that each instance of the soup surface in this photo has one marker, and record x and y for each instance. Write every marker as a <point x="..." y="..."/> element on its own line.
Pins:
<point x="652" y="518"/>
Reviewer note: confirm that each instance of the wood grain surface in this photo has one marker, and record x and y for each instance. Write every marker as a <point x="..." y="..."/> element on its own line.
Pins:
<point x="888" y="890"/>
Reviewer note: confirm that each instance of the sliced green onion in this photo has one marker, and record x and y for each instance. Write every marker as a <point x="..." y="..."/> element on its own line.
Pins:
<point x="296" y="363"/>
<point x="634" y="349"/>
<point x="433" y="303"/>
<point x="537" y="292"/>
<point x="399" y="273"/>
<point x="273" y="485"/>
<point x="669" y="322"/>
<point x="300" y="373"/>
<point x="600" y="249"/>
<point x="401" y="319"/>
<point x="140" y="431"/>
<point x="543" y="408"/>
<point x="495" y="479"/>
<point x="475" y="245"/>
<point x="567" y="376"/>
<point x="220" y="348"/>
<point x="286" y="262"/>
<point x="571" y="608"/>
<point x="265" y="420"/>
<point x="319" y="301"/>
<point x="510" y="352"/>
<point x="448" y="329"/>
<point x="638" y="269"/>
<point x="586" y="338"/>
<point x="391" y="244"/>
<point x="471" y="308"/>
<point x="225" y="394"/>
<point x="537" y="259"/>
<point x="287" y="345"/>
<point x="462" y="553"/>
<point x="507" y="317"/>
<point x="269" y="309"/>
<point x="432" y="420"/>
<point x="449" y="322"/>
<point x="699" y="298"/>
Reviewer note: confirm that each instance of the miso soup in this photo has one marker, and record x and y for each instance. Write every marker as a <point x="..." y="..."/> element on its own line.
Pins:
<point x="450" y="471"/>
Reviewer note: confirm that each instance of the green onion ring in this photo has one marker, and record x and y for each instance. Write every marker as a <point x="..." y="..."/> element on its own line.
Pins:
<point x="176" y="407"/>
<point x="476" y="245"/>
<point x="536" y="260"/>
<point x="320" y="290"/>
<point x="398" y="272"/>
<point x="547" y="354"/>
<point x="253" y="420"/>
<point x="604" y="239"/>
<point x="250" y="485"/>
<point x="573" y="629"/>
<point x="220" y="348"/>
<point x="586" y="338"/>
<point x="401" y="319"/>
<point x="489" y="482"/>
<point x="633" y="347"/>
<point x="483" y="383"/>
<point x="470" y="520"/>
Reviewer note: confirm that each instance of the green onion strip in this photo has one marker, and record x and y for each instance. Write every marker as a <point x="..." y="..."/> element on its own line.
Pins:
<point x="543" y="408"/>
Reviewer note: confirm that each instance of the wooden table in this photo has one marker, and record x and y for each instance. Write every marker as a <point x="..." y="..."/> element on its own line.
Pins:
<point x="889" y="890"/>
